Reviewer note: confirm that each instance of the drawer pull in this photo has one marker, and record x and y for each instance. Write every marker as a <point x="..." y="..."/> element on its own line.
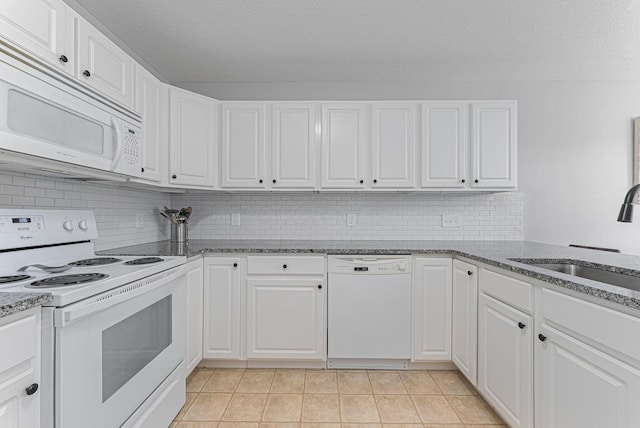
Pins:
<point x="542" y="337"/>
<point x="521" y="325"/>
<point x="284" y="266"/>
<point x="319" y="287"/>
<point x="31" y="389"/>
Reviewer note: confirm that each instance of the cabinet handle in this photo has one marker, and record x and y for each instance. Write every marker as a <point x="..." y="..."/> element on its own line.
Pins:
<point x="542" y="337"/>
<point x="463" y="180"/>
<point x="521" y="325"/>
<point x="86" y="73"/>
<point x="274" y="181"/>
<point x="361" y="181"/>
<point x="469" y="273"/>
<point x="475" y="181"/>
<point x="375" y="181"/>
<point x="235" y="265"/>
<point x="284" y="266"/>
<point x="260" y="181"/>
<point x="64" y="59"/>
<point x="319" y="287"/>
<point x="141" y="169"/>
<point x="31" y="389"/>
<point x="174" y="176"/>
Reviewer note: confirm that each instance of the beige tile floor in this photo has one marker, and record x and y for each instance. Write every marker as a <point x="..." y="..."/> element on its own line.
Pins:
<point x="298" y="398"/>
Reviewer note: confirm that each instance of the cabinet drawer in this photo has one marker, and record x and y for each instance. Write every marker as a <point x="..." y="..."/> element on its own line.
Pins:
<point x="615" y="330"/>
<point x="22" y="335"/>
<point x="515" y="292"/>
<point x="285" y="265"/>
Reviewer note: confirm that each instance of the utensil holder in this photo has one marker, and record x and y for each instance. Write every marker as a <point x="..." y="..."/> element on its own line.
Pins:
<point x="179" y="232"/>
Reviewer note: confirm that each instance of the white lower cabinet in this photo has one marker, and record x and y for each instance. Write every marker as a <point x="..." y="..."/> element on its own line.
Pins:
<point x="222" y="307"/>
<point x="464" y="346"/>
<point x="286" y="318"/>
<point x="432" y="289"/>
<point x="20" y="370"/>
<point x="194" y="314"/>
<point x="505" y="360"/>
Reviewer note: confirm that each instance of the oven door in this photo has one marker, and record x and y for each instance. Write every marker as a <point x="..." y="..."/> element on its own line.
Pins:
<point x="113" y="350"/>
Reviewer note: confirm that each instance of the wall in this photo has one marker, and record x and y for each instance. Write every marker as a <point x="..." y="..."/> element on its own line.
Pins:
<point x="378" y="216"/>
<point x="575" y="144"/>
<point x="115" y="208"/>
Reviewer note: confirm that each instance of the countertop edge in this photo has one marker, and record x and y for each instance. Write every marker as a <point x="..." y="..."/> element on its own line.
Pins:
<point x="12" y="302"/>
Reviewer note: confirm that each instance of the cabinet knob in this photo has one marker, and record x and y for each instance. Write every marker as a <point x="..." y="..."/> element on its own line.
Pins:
<point x="260" y="181"/>
<point x="235" y="265"/>
<point x="31" y="389"/>
<point x="361" y="181"/>
<point x="174" y="176"/>
<point x="375" y="181"/>
<point x="542" y="337"/>
<point x="521" y="325"/>
<point x="463" y="180"/>
<point x="141" y="169"/>
<point x="64" y="59"/>
<point x="476" y="180"/>
<point x="319" y="287"/>
<point x="284" y="266"/>
<point x="86" y="73"/>
<point x="274" y="180"/>
<point x="469" y="273"/>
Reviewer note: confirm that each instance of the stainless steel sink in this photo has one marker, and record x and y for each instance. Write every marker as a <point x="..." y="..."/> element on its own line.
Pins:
<point x="595" y="274"/>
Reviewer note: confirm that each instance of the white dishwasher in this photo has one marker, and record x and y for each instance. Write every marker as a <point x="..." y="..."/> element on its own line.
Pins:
<point x="369" y="312"/>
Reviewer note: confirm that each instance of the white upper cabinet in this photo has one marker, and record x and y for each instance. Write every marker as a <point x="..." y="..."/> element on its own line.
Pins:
<point x="39" y="27"/>
<point x="243" y="145"/>
<point x="102" y="65"/>
<point x="293" y="145"/>
<point x="493" y="144"/>
<point x="393" y="145"/>
<point x="152" y="101"/>
<point x="444" y="144"/>
<point x="343" y="145"/>
<point x="192" y="139"/>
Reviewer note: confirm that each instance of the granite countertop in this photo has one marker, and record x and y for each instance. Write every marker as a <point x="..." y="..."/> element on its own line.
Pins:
<point x="11" y="303"/>
<point x="495" y="253"/>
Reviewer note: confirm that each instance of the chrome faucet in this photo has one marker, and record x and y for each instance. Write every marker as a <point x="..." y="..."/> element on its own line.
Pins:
<point x="626" y="211"/>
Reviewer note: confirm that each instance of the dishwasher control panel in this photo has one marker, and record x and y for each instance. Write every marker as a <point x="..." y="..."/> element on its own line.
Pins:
<point x="371" y="265"/>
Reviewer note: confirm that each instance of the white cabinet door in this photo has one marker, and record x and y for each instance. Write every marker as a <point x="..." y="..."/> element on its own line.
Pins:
<point x="286" y="319"/>
<point x="464" y="347"/>
<point x="343" y="145"/>
<point x="20" y="388"/>
<point x="505" y="360"/>
<point x="493" y="144"/>
<point x="39" y="27"/>
<point x="578" y="386"/>
<point x="102" y="65"/>
<point x="444" y="144"/>
<point x="152" y="102"/>
<point x="195" y="281"/>
<point x="432" y="288"/>
<point x="192" y="139"/>
<point x="293" y="146"/>
<point x="393" y="145"/>
<point x="222" y="309"/>
<point x="243" y="145"/>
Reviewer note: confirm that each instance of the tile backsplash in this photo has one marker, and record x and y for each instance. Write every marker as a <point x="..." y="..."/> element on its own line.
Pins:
<point x="296" y="215"/>
<point x="115" y="207"/>
<point x="412" y="216"/>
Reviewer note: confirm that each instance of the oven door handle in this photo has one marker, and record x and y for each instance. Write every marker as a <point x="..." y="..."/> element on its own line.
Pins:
<point x="85" y="308"/>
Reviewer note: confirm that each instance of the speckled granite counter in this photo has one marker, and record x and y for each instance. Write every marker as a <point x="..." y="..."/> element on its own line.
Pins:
<point x="11" y="303"/>
<point x="495" y="253"/>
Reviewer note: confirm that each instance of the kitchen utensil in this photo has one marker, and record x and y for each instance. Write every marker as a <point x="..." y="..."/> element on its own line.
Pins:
<point x="170" y="210"/>
<point x="50" y="269"/>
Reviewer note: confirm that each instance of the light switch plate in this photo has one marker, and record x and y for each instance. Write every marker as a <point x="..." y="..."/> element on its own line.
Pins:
<point x="235" y="219"/>
<point x="450" y="220"/>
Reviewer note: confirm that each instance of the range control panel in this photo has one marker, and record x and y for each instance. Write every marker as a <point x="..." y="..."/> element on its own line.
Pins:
<point x="27" y="228"/>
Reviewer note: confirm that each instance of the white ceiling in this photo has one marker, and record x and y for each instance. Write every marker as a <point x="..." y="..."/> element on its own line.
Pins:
<point x="378" y="40"/>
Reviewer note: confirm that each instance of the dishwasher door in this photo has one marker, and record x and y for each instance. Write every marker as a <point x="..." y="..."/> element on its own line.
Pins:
<point x="369" y="312"/>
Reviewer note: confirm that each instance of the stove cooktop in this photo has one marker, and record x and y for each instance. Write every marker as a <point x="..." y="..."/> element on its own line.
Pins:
<point x="96" y="261"/>
<point x="66" y="280"/>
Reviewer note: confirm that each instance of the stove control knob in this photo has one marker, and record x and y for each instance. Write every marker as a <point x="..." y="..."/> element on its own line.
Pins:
<point x="83" y="225"/>
<point x="67" y="225"/>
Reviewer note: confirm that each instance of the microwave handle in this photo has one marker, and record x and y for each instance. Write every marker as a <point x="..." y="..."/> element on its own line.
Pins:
<point x="118" y="153"/>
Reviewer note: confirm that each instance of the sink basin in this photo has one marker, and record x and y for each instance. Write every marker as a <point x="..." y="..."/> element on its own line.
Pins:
<point x="593" y="273"/>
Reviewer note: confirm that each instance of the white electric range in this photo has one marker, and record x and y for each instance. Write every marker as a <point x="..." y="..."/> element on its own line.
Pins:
<point x="113" y="342"/>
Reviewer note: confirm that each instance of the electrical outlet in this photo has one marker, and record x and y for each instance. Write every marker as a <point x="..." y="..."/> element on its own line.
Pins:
<point x="235" y="219"/>
<point x="351" y="219"/>
<point x="139" y="220"/>
<point x="450" y="220"/>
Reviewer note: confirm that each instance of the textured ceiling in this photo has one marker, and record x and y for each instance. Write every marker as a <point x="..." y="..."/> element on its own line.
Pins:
<point x="378" y="40"/>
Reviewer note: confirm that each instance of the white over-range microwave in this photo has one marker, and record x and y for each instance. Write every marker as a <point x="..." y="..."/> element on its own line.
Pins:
<point x="48" y="119"/>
